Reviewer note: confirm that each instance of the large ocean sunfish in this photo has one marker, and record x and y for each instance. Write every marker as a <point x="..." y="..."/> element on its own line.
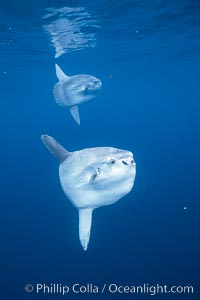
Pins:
<point x="91" y="178"/>
<point x="71" y="91"/>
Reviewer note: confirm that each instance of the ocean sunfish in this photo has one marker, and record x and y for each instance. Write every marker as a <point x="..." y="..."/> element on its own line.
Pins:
<point x="91" y="178"/>
<point x="70" y="91"/>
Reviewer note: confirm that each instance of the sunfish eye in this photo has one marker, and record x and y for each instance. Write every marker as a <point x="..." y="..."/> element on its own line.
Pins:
<point x="112" y="161"/>
<point x="124" y="162"/>
<point x="97" y="83"/>
<point x="99" y="171"/>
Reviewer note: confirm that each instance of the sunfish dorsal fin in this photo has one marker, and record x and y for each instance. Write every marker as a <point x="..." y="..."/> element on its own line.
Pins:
<point x="75" y="114"/>
<point x="55" y="148"/>
<point x="85" y="222"/>
<point x="60" y="74"/>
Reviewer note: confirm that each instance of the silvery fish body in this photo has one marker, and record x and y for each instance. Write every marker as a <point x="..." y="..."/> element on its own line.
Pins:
<point x="91" y="178"/>
<point x="96" y="177"/>
<point x="71" y="91"/>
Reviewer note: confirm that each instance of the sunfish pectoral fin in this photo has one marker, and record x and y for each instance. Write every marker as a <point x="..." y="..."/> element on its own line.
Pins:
<point x="55" y="148"/>
<point x="60" y="74"/>
<point x="85" y="222"/>
<point x="75" y="114"/>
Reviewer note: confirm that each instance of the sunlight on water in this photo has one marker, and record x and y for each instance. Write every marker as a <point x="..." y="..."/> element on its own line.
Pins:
<point x="70" y="29"/>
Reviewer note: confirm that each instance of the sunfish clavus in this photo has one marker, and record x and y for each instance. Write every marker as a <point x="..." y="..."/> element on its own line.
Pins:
<point x="91" y="178"/>
<point x="71" y="91"/>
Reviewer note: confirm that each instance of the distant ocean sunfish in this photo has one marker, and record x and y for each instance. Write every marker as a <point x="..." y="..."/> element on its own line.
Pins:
<point x="75" y="90"/>
<point x="92" y="178"/>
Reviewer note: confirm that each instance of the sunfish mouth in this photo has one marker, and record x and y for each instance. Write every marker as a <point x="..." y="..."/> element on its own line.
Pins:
<point x="94" y="86"/>
<point x="127" y="159"/>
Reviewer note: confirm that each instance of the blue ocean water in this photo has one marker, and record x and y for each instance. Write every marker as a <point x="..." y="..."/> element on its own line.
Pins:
<point x="147" y="54"/>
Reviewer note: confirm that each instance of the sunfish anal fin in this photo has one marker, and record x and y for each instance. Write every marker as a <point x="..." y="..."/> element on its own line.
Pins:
<point x="60" y="74"/>
<point x="85" y="222"/>
<point x="75" y="114"/>
<point x="55" y="148"/>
